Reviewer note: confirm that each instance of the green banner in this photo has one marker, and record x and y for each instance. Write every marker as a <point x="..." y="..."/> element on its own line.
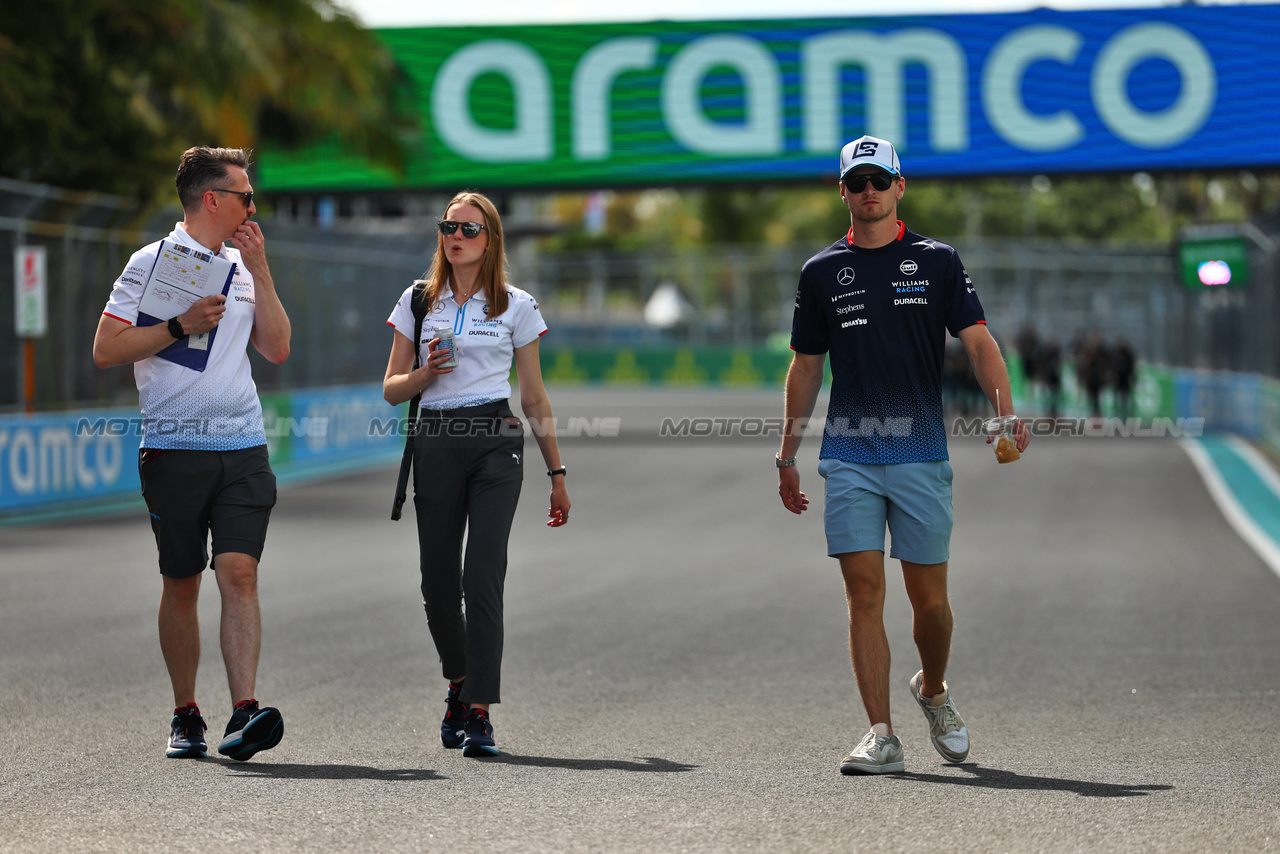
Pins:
<point x="1214" y="262"/>
<point x="670" y="103"/>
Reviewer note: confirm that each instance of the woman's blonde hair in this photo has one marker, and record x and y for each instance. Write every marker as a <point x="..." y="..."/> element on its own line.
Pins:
<point x="493" y="266"/>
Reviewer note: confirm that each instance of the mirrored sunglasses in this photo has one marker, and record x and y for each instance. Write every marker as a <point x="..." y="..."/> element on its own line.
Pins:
<point x="469" y="229"/>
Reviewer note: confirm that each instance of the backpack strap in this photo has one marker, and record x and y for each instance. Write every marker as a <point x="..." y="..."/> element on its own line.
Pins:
<point x="418" y="303"/>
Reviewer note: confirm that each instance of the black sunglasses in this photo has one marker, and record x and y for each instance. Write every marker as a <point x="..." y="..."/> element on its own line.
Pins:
<point x="469" y="229"/>
<point x="248" y="197"/>
<point x="880" y="180"/>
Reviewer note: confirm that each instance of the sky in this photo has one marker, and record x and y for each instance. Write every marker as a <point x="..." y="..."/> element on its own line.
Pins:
<point x="398" y="13"/>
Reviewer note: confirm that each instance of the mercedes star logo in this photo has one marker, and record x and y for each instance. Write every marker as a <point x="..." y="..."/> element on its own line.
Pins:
<point x="845" y="276"/>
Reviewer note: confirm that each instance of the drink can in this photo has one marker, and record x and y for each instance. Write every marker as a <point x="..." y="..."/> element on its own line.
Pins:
<point x="447" y="343"/>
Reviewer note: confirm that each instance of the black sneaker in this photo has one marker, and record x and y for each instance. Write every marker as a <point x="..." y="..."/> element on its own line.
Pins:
<point x="453" y="727"/>
<point x="251" y="729"/>
<point x="479" y="738"/>
<point x="186" y="735"/>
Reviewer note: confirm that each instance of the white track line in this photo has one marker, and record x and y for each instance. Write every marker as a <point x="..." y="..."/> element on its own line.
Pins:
<point x="1235" y="514"/>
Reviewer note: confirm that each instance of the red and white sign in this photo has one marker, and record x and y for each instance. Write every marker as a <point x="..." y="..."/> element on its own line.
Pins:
<point x="31" y="316"/>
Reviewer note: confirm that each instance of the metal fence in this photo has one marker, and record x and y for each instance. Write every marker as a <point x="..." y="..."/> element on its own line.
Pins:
<point x="340" y="285"/>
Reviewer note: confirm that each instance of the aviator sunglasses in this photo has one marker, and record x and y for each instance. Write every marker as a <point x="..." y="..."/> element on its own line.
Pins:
<point x="881" y="181"/>
<point x="469" y="229"/>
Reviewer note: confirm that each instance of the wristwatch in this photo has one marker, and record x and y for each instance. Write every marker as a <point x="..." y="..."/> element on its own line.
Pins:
<point x="175" y="328"/>
<point x="781" y="463"/>
<point x="555" y="472"/>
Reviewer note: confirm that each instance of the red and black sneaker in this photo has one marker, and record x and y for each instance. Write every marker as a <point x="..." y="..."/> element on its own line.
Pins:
<point x="251" y="729"/>
<point x="186" y="733"/>
<point x="453" y="727"/>
<point x="479" y="739"/>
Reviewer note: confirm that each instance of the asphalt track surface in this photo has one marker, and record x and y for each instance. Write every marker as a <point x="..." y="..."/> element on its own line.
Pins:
<point x="676" y="674"/>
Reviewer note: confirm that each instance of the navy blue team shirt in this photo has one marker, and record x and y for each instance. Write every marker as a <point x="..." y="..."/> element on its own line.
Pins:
<point x="883" y="315"/>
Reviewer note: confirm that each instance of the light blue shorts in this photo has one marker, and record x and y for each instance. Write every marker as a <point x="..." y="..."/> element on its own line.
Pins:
<point x="913" y="499"/>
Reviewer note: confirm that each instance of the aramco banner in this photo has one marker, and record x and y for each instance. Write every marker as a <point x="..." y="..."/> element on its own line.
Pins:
<point x="671" y="103"/>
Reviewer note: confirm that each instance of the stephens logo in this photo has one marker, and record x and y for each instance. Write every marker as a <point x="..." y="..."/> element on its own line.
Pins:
<point x="908" y="267"/>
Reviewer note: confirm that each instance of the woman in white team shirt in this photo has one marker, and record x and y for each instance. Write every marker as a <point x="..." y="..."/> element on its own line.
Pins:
<point x="468" y="457"/>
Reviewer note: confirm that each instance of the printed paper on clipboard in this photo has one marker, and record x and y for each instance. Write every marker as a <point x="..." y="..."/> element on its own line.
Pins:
<point x="180" y="277"/>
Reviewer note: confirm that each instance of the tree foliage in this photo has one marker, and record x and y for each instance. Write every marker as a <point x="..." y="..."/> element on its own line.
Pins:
<point x="105" y="94"/>
<point x="1120" y="207"/>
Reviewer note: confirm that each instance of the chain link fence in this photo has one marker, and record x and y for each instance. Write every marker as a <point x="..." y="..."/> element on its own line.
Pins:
<point x="339" y="286"/>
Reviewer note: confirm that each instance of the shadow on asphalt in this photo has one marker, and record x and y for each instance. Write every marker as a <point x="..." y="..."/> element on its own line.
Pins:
<point x="333" y="772"/>
<point x="645" y="763"/>
<point x="992" y="778"/>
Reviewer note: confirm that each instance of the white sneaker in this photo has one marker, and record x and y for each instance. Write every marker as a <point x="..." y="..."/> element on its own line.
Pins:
<point x="947" y="731"/>
<point x="875" y="754"/>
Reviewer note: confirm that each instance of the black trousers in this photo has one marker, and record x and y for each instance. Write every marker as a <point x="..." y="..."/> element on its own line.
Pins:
<point x="467" y="474"/>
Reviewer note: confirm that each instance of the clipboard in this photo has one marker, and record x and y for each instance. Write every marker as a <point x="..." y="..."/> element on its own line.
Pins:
<point x="180" y="276"/>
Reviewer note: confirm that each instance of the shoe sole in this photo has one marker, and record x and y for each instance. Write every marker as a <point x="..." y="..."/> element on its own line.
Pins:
<point x="187" y="753"/>
<point x="263" y="732"/>
<point x="477" y="750"/>
<point x="887" y="768"/>
<point x="915" y="694"/>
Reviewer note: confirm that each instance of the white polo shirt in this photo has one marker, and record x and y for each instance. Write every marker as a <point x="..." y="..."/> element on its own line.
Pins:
<point x="486" y="347"/>
<point x="216" y="409"/>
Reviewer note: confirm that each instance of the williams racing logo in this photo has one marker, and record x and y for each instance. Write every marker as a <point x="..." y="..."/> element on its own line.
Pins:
<point x="914" y="287"/>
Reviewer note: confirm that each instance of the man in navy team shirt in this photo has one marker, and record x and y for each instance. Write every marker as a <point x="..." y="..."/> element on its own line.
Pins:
<point x="881" y="301"/>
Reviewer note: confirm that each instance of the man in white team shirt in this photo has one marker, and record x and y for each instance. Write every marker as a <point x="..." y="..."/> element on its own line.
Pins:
<point x="203" y="461"/>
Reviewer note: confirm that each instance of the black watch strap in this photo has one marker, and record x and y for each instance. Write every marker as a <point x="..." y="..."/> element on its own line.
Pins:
<point x="175" y="328"/>
<point x="554" y="472"/>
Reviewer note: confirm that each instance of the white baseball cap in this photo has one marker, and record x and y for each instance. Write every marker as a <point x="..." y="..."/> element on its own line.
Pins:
<point x="869" y="151"/>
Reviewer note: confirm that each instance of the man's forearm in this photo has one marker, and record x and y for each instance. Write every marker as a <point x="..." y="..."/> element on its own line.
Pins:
<point x="129" y="345"/>
<point x="992" y="374"/>
<point x="803" y="385"/>
<point x="271" y="328"/>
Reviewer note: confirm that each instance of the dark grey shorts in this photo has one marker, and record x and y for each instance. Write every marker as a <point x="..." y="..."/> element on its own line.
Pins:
<point x="191" y="494"/>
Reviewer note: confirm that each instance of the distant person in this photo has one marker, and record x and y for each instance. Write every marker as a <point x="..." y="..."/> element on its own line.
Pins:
<point x="203" y="462"/>
<point x="1049" y="363"/>
<point x="881" y="301"/>
<point x="1095" y="369"/>
<point x="468" y="463"/>
<point x="1124" y="365"/>
<point x="1027" y="344"/>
